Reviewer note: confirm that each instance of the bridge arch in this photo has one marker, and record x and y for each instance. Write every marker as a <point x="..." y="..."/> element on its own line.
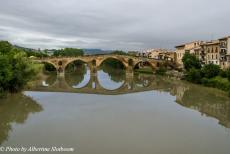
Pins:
<point x="76" y="59"/>
<point x="49" y="62"/>
<point x="113" y="57"/>
<point x="153" y="66"/>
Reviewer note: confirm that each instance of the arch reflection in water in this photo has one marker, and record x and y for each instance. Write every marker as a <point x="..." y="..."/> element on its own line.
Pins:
<point x="78" y="78"/>
<point x="48" y="75"/>
<point x="77" y="74"/>
<point x="15" y="109"/>
<point x="112" y="74"/>
<point x="49" y="79"/>
<point x="110" y="78"/>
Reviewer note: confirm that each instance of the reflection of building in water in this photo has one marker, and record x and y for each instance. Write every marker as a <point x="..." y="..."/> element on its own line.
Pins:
<point x="15" y="109"/>
<point x="179" y="91"/>
<point x="220" y="111"/>
<point x="206" y="101"/>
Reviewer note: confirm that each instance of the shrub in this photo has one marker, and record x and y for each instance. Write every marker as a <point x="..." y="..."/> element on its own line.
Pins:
<point x="228" y="74"/>
<point x="210" y="70"/>
<point x="194" y="75"/>
<point x="217" y="82"/>
<point x="223" y="73"/>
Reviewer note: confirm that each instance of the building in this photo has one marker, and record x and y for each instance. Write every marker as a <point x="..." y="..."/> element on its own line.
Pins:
<point x="211" y="52"/>
<point x="168" y="56"/>
<point x="224" y="45"/>
<point x="188" y="47"/>
<point x="159" y="54"/>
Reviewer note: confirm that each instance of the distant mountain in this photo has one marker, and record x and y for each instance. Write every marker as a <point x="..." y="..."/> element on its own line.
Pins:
<point x="96" y="51"/>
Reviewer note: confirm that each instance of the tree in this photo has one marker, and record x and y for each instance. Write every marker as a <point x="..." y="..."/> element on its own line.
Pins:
<point x="5" y="72"/>
<point x="70" y="52"/>
<point x="119" y="52"/>
<point x="16" y="69"/>
<point x="5" y="47"/>
<point x="22" y="70"/>
<point x="210" y="70"/>
<point x="194" y="75"/>
<point x="190" y="61"/>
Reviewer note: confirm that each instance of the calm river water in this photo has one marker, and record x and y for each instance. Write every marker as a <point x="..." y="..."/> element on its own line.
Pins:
<point x="110" y="113"/>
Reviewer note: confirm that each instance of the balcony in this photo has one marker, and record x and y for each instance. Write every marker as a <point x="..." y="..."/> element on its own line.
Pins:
<point x="223" y="52"/>
<point x="223" y="46"/>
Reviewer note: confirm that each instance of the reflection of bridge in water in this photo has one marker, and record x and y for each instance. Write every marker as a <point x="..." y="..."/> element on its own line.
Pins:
<point x="131" y="84"/>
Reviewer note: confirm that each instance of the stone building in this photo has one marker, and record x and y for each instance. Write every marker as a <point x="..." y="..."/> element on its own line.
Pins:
<point x="211" y="52"/>
<point x="215" y="52"/>
<point x="159" y="54"/>
<point x="188" y="47"/>
<point x="224" y="45"/>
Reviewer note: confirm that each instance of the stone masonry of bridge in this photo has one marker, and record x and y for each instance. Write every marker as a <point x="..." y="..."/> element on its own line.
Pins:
<point x="95" y="61"/>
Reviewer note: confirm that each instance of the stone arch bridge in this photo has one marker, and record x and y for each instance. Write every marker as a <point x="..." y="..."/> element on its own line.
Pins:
<point x="94" y="62"/>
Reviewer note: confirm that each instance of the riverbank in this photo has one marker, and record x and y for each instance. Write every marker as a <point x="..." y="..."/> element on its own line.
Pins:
<point x="218" y="82"/>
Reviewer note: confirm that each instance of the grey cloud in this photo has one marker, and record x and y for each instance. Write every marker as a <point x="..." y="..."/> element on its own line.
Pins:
<point x="112" y="24"/>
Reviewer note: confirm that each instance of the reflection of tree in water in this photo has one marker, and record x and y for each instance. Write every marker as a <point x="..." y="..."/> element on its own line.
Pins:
<point x="115" y="69"/>
<point x="75" y="74"/>
<point x="15" y="109"/>
<point x="211" y="102"/>
<point x="117" y="75"/>
<point x="208" y="101"/>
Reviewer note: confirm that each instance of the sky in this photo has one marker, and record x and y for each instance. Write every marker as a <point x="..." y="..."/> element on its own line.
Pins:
<point x="112" y="24"/>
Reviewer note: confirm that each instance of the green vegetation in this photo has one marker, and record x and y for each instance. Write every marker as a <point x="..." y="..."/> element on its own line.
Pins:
<point x="31" y="52"/>
<point x="69" y="52"/>
<point x="119" y="52"/>
<point x="16" y="69"/>
<point x="209" y="75"/>
<point x="190" y="62"/>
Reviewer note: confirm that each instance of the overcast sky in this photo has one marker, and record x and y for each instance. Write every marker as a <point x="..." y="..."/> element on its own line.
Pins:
<point x="112" y="24"/>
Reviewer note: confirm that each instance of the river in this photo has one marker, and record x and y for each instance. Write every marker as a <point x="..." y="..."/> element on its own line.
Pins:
<point x="112" y="113"/>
